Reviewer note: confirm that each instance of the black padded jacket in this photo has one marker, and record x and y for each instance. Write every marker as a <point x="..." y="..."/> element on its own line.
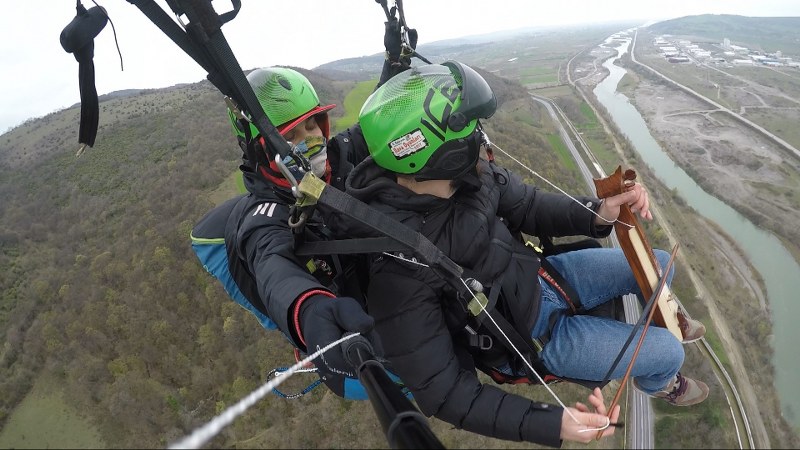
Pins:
<point x="416" y="314"/>
<point x="261" y="246"/>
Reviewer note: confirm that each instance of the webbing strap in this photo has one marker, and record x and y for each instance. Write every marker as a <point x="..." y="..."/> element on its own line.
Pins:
<point x="494" y="292"/>
<point x="204" y="41"/>
<point x="350" y="246"/>
<point x="394" y="230"/>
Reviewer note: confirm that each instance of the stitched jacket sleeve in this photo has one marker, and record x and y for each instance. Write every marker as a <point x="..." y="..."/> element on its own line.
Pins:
<point x="265" y="243"/>
<point x="418" y="344"/>
<point x="540" y="213"/>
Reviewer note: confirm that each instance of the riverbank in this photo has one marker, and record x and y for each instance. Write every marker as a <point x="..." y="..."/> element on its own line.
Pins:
<point x="746" y="171"/>
<point x="729" y="287"/>
<point x="731" y="293"/>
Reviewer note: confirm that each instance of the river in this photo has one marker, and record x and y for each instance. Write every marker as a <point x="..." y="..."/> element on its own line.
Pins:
<point x="780" y="271"/>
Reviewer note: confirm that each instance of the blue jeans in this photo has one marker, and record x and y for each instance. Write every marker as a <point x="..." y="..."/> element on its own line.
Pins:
<point x="584" y="347"/>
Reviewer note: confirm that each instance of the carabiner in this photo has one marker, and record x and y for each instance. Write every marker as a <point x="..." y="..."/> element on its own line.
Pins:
<point x="288" y="174"/>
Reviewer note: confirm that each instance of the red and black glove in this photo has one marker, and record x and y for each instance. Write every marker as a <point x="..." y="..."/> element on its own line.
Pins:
<point x="323" y="319"/>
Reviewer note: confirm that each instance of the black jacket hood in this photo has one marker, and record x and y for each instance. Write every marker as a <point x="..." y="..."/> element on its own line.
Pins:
<point x="369" y="182"/>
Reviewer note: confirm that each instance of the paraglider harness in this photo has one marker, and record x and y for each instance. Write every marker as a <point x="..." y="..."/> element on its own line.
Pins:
<point x="514" y="341"/>
<point x="518" y="346"/>
<point x="201" y="37"/>
<point x="613" y="309"/>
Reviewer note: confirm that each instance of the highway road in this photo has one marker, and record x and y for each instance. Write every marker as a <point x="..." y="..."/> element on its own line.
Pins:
<point x="640" y="412"/>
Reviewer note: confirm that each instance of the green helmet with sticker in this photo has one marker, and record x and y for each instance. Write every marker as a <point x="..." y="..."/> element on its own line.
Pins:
<point x="287" y="97"/>
<point x="424" y="121"/>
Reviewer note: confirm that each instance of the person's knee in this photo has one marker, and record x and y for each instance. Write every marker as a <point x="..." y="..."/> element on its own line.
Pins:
<point x="662" y="256"/>
<point x="669" y="350"/>
<point x="663" y="259"/>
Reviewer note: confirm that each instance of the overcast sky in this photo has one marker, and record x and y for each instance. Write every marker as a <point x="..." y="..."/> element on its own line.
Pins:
<point x="39" y="77"/>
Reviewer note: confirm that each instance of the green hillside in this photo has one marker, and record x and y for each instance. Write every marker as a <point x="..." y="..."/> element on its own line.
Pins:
<point x="103" y="305"/>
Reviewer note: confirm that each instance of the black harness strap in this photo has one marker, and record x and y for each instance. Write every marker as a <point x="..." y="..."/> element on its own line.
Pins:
<point x="404" y="238"/>
<point x="204" y="41"/>
<point x="409" y="240"/>
<point x="350" y="246"/>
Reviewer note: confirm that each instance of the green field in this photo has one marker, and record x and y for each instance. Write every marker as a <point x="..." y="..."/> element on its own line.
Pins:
<point x="539" y="75"/>
<point x="561" y="150"/>
<point x="44" y="420"/>
<point x="352" y="105"/>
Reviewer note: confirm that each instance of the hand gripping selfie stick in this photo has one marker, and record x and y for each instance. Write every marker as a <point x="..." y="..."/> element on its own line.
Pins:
<point x="403" y="424"/>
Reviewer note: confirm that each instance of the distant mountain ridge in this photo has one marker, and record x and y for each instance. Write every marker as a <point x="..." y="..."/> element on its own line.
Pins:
<point x="766" y="34"/>
<point x="466" y="49"/>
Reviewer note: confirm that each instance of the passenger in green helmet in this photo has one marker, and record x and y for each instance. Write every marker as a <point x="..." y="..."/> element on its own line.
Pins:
<point x="424" y="121"/>
<point x="426" y="171"/>
<point x="247" y="243"/>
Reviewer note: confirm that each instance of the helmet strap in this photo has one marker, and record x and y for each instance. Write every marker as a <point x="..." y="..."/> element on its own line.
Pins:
<point x="253" y="148"/>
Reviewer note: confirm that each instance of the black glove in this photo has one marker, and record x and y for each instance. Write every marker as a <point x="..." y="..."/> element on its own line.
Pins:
<point x="324" y="320"/>
<point x="396" y="61"/>
<point x="392" y="42"/>
<point x="412" y="38"/>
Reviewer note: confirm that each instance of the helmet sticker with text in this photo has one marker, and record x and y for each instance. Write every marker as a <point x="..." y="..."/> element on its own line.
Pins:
<point x="408" y="144"/>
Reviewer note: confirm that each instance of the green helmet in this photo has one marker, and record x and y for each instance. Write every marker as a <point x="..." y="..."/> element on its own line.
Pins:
<point x="424" y="121"/>
<point x="288" y="98"/>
